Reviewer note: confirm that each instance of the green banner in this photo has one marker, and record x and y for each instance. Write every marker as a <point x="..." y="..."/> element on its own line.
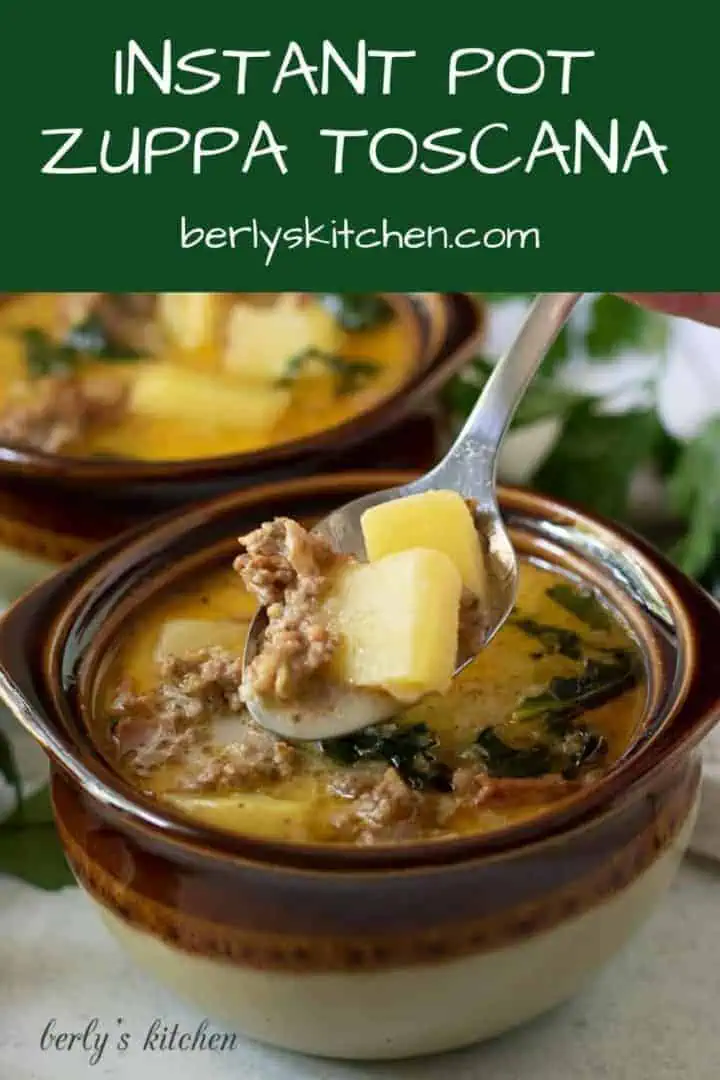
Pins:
<point x="387" y="146"/>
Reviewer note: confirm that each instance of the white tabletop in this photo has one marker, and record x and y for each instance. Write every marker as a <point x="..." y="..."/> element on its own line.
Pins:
<point x="652" y="1015"/>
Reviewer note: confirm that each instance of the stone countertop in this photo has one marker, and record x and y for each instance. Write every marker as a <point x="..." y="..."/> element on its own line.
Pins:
<point x="651" y="1015"/>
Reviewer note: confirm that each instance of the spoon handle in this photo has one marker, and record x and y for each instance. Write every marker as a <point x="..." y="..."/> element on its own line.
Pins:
<point x="511" y="376"/>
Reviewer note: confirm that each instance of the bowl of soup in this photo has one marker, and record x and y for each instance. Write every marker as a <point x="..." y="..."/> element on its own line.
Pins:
<point x="401" y="890"/>
<point x="177" y="395"/>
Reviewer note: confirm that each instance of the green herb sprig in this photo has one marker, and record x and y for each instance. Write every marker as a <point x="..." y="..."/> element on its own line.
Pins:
<point x="356" y="312"/>
<point x="44" y="356"/>
<point x="350" y="373"/>
<point x="29" y="844"/>
<point x="411" y="750"/>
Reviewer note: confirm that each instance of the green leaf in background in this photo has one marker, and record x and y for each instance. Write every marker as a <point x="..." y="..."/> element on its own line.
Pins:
<point x="694" y="491"/>
<point x="8" y="767"/>
<point x="596" y="457"/>
<point x="558" y="352"/>
<point x="616" y="324"/>
<point x="542" y="400"/>
<point x="29" y="845"/>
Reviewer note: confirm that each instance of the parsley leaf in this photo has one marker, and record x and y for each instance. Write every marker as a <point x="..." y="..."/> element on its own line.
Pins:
<point x="694" y="491"/>
<point x="616" y="324"/>
<point x="29" y="845"/>
<point x="596" y="457"/>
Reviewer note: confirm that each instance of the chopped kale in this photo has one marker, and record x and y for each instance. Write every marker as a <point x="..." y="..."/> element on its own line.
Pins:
<point x="358" y="311"/>
<point x="410" y="750"/>
<point x="501" y="759"/>
<point x="544" y="736"/>
<point x="349" y="372"/>
<point x="554" y="639"/>
<point x="564" y="751"/>
<point x="45" y="356"/>
<point x="599" y="682"/>
<point x="583" y="604"/>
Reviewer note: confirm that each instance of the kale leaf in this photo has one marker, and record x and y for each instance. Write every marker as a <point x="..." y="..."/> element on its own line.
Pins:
<point x="350" y="373"/>
<point x="560" y="749"/>
<point x="554" y="639"/>
<point x="45" y="356"/>
<point x="411" y="750"/>
<point x="355" y="312"/>
<point x="598" y="682"/>
<point x="583" y="604"/>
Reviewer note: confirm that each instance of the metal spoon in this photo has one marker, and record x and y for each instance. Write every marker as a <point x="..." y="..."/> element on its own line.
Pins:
<point x="469" y="468"/>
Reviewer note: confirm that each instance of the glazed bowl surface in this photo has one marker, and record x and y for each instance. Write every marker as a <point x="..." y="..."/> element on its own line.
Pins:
<point x="388" y="951"/>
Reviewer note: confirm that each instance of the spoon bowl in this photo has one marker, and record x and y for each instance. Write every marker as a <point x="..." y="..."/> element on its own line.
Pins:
<point x="470" y="468"/>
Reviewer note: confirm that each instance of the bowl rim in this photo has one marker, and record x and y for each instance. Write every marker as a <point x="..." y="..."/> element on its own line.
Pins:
<point x="52" y="607"/>
<point x="429" y="372"/>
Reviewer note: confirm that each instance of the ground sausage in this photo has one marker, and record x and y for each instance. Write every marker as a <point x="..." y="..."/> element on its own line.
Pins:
<point x="61" y="409"/>
<point x="256" y="757"/>
<point x="388" y="810"/>
<point x="153" y="728"/>
<point x="288" y="569"/>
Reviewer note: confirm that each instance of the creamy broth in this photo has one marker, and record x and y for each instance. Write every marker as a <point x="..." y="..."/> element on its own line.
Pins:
<point x="315" y="798"/>
<point x="313" y="402"/>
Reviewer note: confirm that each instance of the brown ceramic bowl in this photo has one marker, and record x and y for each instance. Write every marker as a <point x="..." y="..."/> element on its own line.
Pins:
<point x="369" y="952"/>
<point x="442" y="329"/>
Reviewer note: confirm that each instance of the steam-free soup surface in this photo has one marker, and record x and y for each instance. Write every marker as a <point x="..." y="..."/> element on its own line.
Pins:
<point x="552" y="702"/>
<point x="172" y="376"/>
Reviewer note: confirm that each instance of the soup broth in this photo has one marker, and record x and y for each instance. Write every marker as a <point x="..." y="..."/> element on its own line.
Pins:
<point x="553" y="701"/>
<point x="258" y="372"/>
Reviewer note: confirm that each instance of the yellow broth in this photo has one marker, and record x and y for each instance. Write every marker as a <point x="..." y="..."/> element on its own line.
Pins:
<point x="314" y="405"/>
<point x="484" y="694"/>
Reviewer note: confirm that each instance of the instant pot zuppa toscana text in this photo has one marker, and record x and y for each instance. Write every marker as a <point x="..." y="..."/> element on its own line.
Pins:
<point x="552" y="701"/>
<point x="185" y="375"/>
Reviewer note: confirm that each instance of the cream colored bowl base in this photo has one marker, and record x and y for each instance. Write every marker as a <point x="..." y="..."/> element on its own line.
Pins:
<point x="417" y="1011"/>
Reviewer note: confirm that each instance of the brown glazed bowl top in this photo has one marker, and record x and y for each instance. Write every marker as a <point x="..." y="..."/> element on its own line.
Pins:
<point x="53" y="641"/>
<point x="444" y="329"/>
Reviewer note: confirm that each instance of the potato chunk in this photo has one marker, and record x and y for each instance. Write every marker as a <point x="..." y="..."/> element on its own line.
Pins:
<point x="171" y="393"/>
<point x="440" y="520"/>
<point x="397" y="620"/>
<point x="253" y="813"/>
<point x="187" y="318"/>
<point x="262" y="340"/>
<point x="179" y="637"/>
